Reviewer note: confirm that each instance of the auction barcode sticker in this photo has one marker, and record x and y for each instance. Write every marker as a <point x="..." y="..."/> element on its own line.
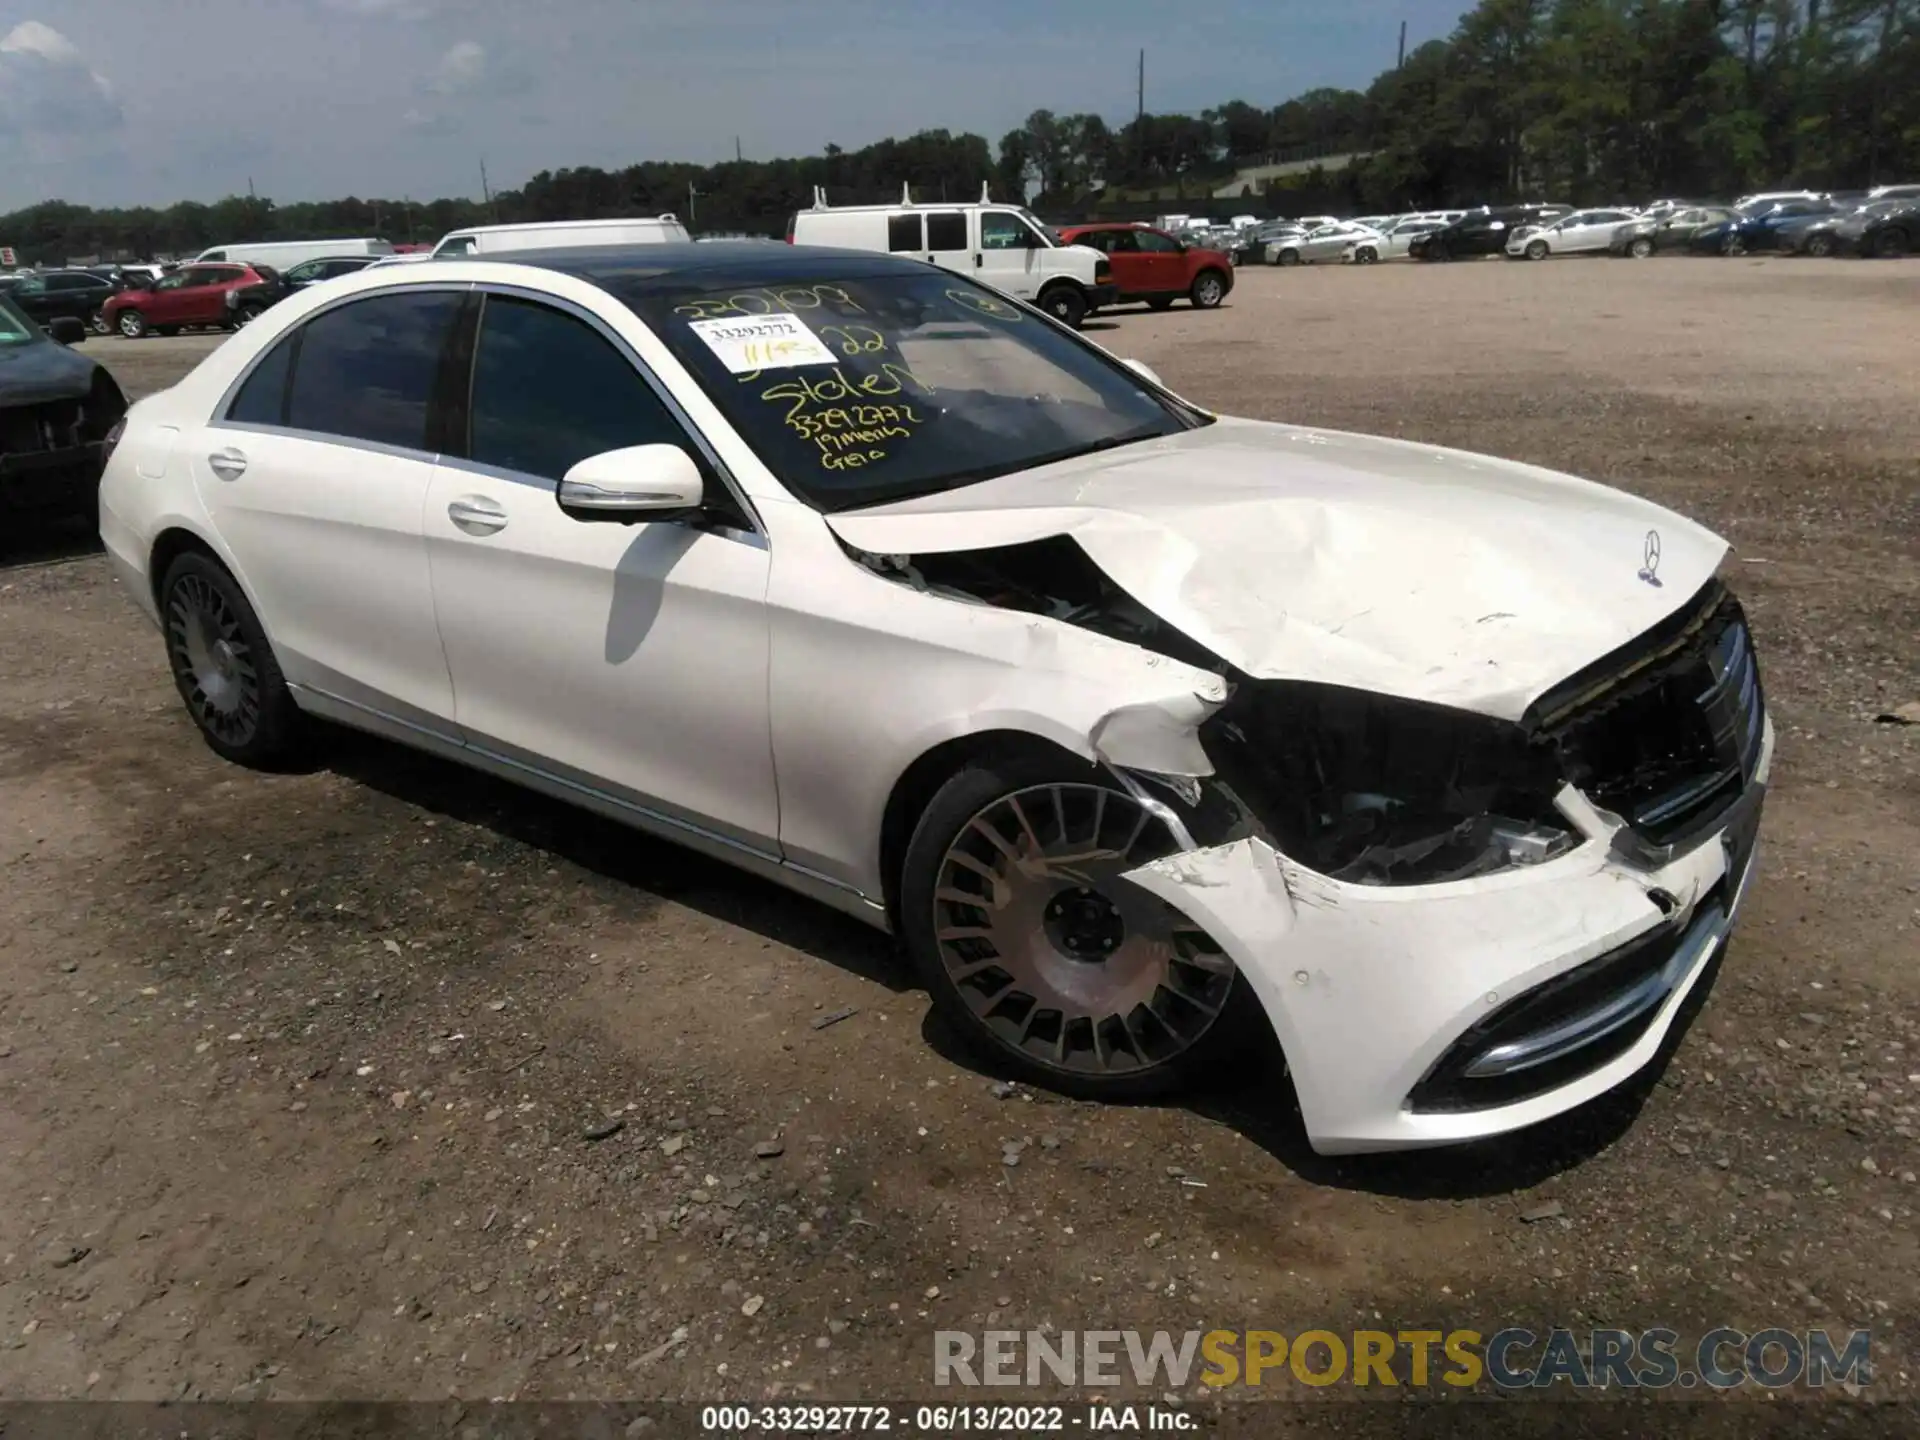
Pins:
<point x="762" y="342"/>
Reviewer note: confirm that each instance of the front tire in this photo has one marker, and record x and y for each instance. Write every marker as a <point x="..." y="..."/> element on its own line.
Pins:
<point x="1209" y="289"/>
<point x="1037" y="952"/>
<point x="99" y="324"/>
<point x="1160" y="302"/>
<point x="132" y="324"/>
<point x="1365" y="255"/>
<point x="224" y="668"/>
<point x="1891" y="244"/>
<point x="1537" y="250"/>
<point x="1735" y="246"/>
<point x="1820" y="245"/>
<point x="1066" y="304"/>
<point x="1641" y="248"/>
<point x="1288" y="257"/>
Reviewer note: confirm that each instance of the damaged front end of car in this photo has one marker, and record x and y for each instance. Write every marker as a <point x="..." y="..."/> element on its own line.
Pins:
<point x="1457" y="924"/>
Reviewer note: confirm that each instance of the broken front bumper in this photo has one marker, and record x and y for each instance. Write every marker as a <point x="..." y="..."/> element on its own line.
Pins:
<point x="1432" y="1014"/>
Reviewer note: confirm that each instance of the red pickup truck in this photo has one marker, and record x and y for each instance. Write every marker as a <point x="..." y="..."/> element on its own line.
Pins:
<point x="1153" y="266"/>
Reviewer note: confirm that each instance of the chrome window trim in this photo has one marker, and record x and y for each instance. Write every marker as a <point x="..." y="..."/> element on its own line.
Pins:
<point x="469" y="287"/>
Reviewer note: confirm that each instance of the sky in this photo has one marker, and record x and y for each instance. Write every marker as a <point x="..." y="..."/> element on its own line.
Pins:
<point x="106" y="102"/>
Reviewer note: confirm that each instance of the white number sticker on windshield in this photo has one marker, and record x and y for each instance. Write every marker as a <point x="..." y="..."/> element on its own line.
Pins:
<point x="762" y="342"/>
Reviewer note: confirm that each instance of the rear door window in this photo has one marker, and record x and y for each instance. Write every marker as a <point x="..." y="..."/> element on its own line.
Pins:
<point x="947" y="230"/>
<point x="905" y="232"/>
<point x="366" y="370"/>
<point x="549" y="390"/>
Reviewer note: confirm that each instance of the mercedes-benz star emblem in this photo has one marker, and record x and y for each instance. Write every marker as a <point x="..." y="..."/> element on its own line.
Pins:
<point x="1650" y="559"/>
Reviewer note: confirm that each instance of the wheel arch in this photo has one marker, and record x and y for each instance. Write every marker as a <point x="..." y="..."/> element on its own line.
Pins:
<point x="916" y="786"/>
<point x="175" y="540"/>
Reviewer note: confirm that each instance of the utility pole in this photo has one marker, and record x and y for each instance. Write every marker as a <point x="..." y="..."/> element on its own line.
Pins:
<point x="1401" y="62"/>
<point x="692" y="195"/>
<point x="736" y="149"/>
<point x="406" y="204"/>
<point x="1140" y="106"/>
<point x="250" y="194"/>
<point x="486" y="191"/>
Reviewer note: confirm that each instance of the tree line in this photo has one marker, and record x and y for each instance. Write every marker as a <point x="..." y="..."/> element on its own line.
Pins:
<point x="1580" y="101"/>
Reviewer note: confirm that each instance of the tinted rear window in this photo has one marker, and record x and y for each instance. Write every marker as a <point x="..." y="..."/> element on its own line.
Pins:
<point x="366" y="371"/>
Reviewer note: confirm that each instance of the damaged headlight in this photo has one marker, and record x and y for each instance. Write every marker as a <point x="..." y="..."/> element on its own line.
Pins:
<point x="1379" y="791"/>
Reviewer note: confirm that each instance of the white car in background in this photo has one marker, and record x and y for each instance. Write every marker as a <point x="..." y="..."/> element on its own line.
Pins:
<point x="1583" y="232"/>
<point x="1327" y="242"/>
<point x="1145" y="730"/>
<point x="1390" y="245"/>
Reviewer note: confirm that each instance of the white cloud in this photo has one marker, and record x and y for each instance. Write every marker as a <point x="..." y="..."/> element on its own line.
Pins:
<point x="462" y="68"/>
<point x="383" y="9"/>
<point x="50" y="97"/>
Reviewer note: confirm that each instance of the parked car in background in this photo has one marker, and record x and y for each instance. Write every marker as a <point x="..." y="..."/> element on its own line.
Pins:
<point x="1888" y="234"/>
<point x="1326" y="242"/>
<point x="1818" y="235"/>
<point x="311" y="272"/>
<point x="1584" y="232"/>
<point x="1755" y="229"/>
<point x="1894" y="192"/>
<point x="1668" y="230"/>
<point x="1481" y="232"/>
<point x="1765" y="200"/>
<point x="58" y="411"/>
<point x="1153" y="266"/>
<point x="282" y="255"/>
<point x="1392" y="244"/>
<point x="217" y="296"/>
<point x="558" y="234"/>
<point x="51" y="294"/>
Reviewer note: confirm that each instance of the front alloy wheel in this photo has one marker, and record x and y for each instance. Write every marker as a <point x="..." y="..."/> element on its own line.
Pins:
<point x="1036" y="947"/>
<point x="1536" y="250"/>
<point x="1208" y="290"/>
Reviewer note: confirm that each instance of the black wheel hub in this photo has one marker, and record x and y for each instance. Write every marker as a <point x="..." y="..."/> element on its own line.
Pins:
<point x="1084" y="925"/>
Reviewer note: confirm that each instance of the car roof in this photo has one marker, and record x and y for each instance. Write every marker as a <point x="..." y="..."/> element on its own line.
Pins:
<point x="643" y="267"/>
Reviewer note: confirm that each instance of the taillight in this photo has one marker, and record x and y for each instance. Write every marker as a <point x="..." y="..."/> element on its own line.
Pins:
<point x="790" y="223"/>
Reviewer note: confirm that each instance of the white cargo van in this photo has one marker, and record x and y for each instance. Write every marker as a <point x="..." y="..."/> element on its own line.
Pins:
<point x="1001" y="245"/>
<point x="560" y="235"/>
<point x="284" y="254"/>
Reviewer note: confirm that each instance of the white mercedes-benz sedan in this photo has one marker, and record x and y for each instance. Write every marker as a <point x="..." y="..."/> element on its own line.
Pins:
<point x="1141" y="727"/>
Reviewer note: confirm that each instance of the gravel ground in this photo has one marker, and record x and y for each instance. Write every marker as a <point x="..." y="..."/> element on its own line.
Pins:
<point x="299" y="1074"/>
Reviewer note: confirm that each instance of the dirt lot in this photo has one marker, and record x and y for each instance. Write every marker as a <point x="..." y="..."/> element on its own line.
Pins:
<point x="295" y="1072"/>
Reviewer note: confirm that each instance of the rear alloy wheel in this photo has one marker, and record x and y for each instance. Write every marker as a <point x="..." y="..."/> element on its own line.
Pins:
<point x="1288" y="257"/>
<point x="132" y="324"/>
<point x="99" y="324"/>
<point x="1640" y="248"/>
<point x="223" y="666"/>
<point x="1208" y="290"/>
<point x="1066" y="304"/>
<point x="1536" y="250"/>
<point x="1736" y="245"/>
<point x="1365" y="255"/>
<point x="1034" y="946"/>
<point x="1821" y="245"/>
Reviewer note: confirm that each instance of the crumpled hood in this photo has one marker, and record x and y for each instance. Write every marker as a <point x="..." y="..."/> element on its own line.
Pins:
<point x="1405" y="569"/>
<point x="42" y="370"/>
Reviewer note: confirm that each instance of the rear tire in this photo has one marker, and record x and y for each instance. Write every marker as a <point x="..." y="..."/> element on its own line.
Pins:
<point x="1287" y="257"/>
<point x="166" y="332"/>
<point x="1365" y="255"/>
<point x="99" y="324"/>
<point x="1735" y="246"/>
<point x="224" y="668"/>
<point x="1820" y="245"/>
<point x="1066" y="304"/>
<point x="1640" y="248"/>
<point x="1064" y="975"/>
<point x="132" y="324"/>
<point x="1209" y="289"/>
<point x="1891" y="244"/>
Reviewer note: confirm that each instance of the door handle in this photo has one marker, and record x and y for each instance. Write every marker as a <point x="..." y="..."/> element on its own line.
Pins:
<point x="477" y="515"/>
<point x="228" y="464"/>
<point x="978" y="260"/>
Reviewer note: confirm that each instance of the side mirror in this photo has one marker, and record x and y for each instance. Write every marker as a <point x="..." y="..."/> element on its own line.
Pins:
<point x="66" y="330"/>
<point x="641" y="482"/>
<point x="1144" y="370"/>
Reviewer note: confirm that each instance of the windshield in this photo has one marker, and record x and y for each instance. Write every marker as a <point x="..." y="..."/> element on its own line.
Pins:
<point x="866" y="390"/>
<point x="15" y="328"/>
